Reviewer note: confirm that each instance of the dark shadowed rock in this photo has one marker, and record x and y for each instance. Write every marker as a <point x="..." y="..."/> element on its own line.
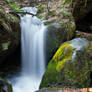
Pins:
<point x="9" y="31"/>
<point x="82" y="12"/>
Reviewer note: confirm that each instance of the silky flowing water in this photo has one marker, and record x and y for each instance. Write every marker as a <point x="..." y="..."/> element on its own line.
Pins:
<point x="33" y="53"/>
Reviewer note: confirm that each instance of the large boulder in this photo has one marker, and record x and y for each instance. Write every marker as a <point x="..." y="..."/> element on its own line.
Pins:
<point x="55" y="35"/>
<point x="71" y="65"/>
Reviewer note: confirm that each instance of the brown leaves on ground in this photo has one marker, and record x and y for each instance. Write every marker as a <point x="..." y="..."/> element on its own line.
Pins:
<point x="79" y="90"/>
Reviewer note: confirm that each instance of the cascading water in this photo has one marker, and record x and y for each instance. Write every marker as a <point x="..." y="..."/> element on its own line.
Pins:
<point x="33" y="56"/>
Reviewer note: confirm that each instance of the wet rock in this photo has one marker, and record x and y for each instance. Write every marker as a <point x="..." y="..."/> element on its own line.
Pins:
<point x="55" y="35"/>
<point x="70" y="66"/>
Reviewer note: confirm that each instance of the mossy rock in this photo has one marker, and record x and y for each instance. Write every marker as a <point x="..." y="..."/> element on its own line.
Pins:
<point x="70" y="66"/>
<point x="56" y="34"/>
<point x="4" y="83"/>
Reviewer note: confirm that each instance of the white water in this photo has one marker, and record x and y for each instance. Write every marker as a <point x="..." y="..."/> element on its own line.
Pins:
<point x="33" y="56"/>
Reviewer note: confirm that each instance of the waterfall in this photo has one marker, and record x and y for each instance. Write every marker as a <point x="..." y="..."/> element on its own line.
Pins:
<point x="33" y="56"/>
<point x="32" y="37"/>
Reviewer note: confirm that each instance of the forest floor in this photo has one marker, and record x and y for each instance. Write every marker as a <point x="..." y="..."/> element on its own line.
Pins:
<point x="67" y="90"/>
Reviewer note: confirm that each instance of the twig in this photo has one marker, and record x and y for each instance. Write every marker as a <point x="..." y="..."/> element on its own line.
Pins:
<point x="15" y="12"/>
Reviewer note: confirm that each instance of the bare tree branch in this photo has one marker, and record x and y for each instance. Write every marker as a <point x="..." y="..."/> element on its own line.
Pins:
<point x="24" y="13"/>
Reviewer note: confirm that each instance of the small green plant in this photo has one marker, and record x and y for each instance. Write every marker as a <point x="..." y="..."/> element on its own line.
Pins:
<point x="5" y="20"/>
<point x="61" y="5"/>
<point x="64" y="14"/>
<point x="40" y="16"/>
<point x="64" y="4"/>
<point x="68" y="1"/>
<point x="15" y="7"/>
<point x="52" y="13"/>
<point x="41" y="8"/>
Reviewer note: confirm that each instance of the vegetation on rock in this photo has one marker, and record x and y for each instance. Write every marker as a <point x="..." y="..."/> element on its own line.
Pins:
<point x="4" y="83"/>
<point x="56" y="35"/>
<point x="69" y="67"/>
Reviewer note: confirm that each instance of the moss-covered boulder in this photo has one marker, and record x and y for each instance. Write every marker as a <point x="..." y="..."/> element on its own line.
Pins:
<point x="55" y="35"/>
<point x="71" y="66"/>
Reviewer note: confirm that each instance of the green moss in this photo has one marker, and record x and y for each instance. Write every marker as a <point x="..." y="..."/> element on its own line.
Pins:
<point x="4" y="82"/>
<point x="14" y="6"/>
<point x="65" y="71"/>
<point x="40" y="16"/>
<point x="52" y="13"/>
<point x="41" y="8"/>
<point x="49" y="23"/>
<point x="74" y="28"/>
<point x="65" y="57"/>
<point x="53" y="76"/>
<point x="15" y="18"/>
<point x="64" y="4"/>
<point x="64" y="14"/>
<point x="63" y="54"/>
<point x="60" y="51"/>
<point x="63" y="25"/>
<point x="68" y="1"/>
<point x="61" y="5"/>
<point x="2" y="13"/>
<point x="10" y="88"/>
<point x="70" y="27"/>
